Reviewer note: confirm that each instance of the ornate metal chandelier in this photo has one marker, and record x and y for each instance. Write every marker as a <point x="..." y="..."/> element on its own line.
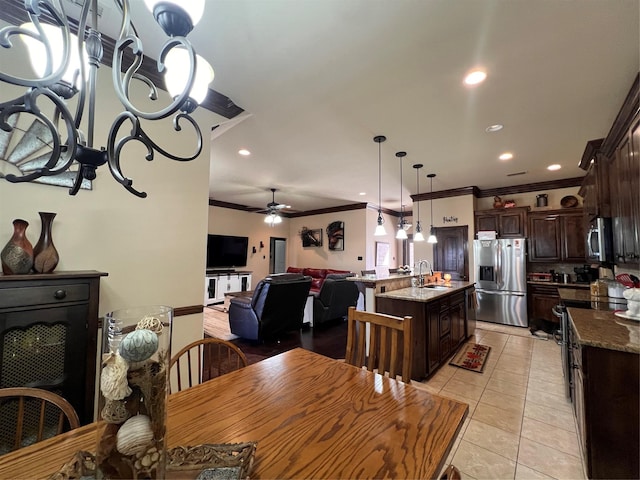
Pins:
<point x="66" y="66"/>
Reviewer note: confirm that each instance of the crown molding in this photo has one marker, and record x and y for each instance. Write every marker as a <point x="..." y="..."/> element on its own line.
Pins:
<point x="629" y="108"/>
<point x="531" y="187"/>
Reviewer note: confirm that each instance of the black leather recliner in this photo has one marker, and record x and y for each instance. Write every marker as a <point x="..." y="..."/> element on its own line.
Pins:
<point x="276" y="307"/>
<point x="334" y="298"/>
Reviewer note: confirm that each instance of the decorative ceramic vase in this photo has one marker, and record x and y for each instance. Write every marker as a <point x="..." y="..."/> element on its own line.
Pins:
<point x="45" y="255"/>
<point x="17" y="254"/>
<point x="134" y="387"/>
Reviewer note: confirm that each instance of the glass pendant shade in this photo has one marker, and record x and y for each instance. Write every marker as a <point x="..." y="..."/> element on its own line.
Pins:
<point x="401" y="235"/>
<point x="432" y="236"/>
<point x="418" y="236"/>
<point x="177" y="75"/>
<point x="193" y="8"/>
<point x="38" y="53"/>
<point x="380" y="230"/>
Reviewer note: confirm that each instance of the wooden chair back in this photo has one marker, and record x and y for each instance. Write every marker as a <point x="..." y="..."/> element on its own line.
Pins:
<point x="212" y="356"/>
<point x="367" y="272"/>
<point x="389" y="339"/>
<point x="39" y="414"/>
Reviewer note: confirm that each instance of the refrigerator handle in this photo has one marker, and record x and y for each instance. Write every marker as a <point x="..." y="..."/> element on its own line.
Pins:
<point x="498" y="263"/>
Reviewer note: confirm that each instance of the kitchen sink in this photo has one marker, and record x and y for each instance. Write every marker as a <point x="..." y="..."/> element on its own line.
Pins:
<point x="436" y="287"/>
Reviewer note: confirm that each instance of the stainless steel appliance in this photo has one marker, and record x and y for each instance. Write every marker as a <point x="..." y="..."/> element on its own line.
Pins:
<point x="600" y="240"/>
<point x="560" y="311"/>
<point x="501" y="286"/>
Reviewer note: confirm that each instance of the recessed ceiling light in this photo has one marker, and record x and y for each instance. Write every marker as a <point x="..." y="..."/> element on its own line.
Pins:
<point x="555" y="166"/>
<point x="475" y="77"/>
<point x="362" y="193"/>
<point x="494" y="128"/>
<point x="244" y="152"/>
<point x="506" y="156"/>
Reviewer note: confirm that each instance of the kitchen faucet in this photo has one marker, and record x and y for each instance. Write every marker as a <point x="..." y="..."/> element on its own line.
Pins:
<point x="420" y="276"/>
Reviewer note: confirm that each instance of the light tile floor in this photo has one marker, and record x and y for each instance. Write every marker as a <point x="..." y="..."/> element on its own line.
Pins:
<point x="520" y="425"/>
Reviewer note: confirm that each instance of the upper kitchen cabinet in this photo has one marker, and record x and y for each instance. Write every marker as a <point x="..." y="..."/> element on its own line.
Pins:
<point x="595" y="186"/>
<point x="625" y="182"/>
<point x="557" y="236"/>
<point x="621" y="149"/>
<point x="507" y="222"/>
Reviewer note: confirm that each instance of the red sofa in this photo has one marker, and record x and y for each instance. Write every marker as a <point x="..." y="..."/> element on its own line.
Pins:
<point x="317" y="275"/>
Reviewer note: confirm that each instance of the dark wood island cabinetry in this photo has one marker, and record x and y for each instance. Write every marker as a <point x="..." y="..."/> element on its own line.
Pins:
<point x="439" y="322"/>
<point x="49" y="334"/>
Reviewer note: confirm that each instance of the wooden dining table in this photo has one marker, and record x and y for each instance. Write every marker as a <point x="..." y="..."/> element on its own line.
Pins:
<point x="311" y="416"/>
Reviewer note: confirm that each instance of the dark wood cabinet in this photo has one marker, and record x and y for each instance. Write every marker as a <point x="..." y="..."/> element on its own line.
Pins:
<point x="439" y="327"/>
<point x="557" y="236"/>
<point x="507" y="222"/>
<point x="49" y="334"/>
<point x="457" y="314"/>
<point x="595" y="189"/>
<point x="541" y="299"/>
<point x="605" y="399"/>
<point x="625" y="185"/>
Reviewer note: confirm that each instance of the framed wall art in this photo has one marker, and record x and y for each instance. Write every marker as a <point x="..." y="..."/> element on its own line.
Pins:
<point x="335" y="235"/>
<point x="382" y="254"/>
<point x="311" y="237"/>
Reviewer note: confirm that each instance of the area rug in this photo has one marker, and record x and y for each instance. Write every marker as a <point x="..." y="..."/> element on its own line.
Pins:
<point x="472" y="357"/>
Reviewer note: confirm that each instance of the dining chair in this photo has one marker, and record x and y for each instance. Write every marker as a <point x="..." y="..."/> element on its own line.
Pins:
<point x="39" y="414"/>
<point x="388" y="339"/>
<point x="367" y="272"/>
<point x="393" y="270"/>
<point x="213" y="357"/>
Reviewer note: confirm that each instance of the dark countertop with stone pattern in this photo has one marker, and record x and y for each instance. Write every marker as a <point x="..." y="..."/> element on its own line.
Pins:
<point x="603" y="329"/>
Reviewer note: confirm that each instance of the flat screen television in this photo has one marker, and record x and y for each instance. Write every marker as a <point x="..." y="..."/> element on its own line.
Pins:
<point x="226" y="251"/>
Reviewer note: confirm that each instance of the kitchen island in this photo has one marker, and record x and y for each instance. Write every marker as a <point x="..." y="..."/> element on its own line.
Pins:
<point x="440" y="324"/>
<point x="370" y="285"/>
<point x="605" y="370"/>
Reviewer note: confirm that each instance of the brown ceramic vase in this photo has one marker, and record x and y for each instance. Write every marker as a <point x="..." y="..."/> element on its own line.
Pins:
<point x="45" y="255"/>
<point x="17" y="254"/>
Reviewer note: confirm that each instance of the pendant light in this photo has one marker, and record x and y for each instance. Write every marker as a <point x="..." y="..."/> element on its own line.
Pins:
<point x="418" y="236"/>
<point x="432" y="233"/>
<point x="401" y="234"/>
<point x="380" y="230"/>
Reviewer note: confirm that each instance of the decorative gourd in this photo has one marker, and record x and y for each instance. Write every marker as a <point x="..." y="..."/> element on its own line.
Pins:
<point x="138" y="345"/>
<point x="134" y="436"/>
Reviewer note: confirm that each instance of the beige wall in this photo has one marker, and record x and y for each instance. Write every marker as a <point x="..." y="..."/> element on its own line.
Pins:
<point x="355" y="222"/>
<point x="225" y="221"/>
<point x="153" y="249"/>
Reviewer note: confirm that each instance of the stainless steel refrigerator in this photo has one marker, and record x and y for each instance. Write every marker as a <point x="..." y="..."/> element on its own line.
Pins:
<point x="501" y="285"/>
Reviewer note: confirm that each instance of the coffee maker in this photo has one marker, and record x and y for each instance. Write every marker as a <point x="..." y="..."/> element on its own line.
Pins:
<point x="585" y="274"/>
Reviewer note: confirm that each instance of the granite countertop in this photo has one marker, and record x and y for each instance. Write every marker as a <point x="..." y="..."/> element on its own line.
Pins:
<point x="560" y="284"/>
<point x="384" y="278"/>
<point x="571" y="294"/>
<point x="425" y="295"/>
<point x="603" y="329"/>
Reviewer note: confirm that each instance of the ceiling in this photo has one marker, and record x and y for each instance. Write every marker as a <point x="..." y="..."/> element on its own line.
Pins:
<point x="318" y="79"/>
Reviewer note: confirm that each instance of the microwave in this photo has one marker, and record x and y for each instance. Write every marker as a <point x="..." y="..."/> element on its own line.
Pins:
<point x="600" y="240"/>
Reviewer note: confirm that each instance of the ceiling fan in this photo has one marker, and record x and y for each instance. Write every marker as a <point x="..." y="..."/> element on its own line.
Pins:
<point x="272" y="209"/>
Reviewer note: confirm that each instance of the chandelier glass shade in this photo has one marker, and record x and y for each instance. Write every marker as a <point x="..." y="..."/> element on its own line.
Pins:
<point x="418" y="235"/>
<point x="273" y="219"/>
<point x="432" y="232"/>
<point x="380" y="230"/>
<point x="65" y="66"/>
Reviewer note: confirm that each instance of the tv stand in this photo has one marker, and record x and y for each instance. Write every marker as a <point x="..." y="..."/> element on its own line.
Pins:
<point x="219" y="282"/>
